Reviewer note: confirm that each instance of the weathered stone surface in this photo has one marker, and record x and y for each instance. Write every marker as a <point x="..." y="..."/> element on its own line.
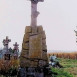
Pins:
<point x="25" y="53"/>
<point x="34" y="64"/>
<point x="44" y="55"/>
<point x="43" y="35"/>
<point x="35" y="46"/>
<point x="25" y="63"/>
<point x="44" y="47"/>
<point x="28" y="29"/>
<point x="44" y="41"/>
<point x="34" y="29"/>
<point x="25" y="46"/>
<point x="40" y="29"/>
<point x="26" y="37"/>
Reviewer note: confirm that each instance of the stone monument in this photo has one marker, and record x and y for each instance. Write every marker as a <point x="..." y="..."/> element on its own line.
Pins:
<point x="34" y="49"/>
<point x="16" y="50"/>
<point x="6" y="53"/>
<point x="6" y="42"/>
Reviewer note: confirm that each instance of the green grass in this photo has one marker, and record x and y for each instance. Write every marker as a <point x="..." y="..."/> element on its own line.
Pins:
<point x="61" y="73"/>
<point x="69" y="70"/>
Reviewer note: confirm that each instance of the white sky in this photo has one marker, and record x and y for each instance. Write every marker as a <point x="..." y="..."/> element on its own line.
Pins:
<point x="58" y="18"/>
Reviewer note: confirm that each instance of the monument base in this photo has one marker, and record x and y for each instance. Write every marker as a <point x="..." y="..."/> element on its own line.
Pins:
<point x="34" y="49"/>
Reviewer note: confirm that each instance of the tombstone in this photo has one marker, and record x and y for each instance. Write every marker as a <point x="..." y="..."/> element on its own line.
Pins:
<point x="6" y="42"/>
<point x="6" y="53"/>
<point x="7" y="56"/>
<point x="16" y="50"/>
<point x="34" y="49"/>
<point x="16" y="46"/>
<point x="34" y="42"/>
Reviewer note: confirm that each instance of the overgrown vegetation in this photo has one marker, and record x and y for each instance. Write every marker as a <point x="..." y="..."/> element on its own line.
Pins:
<point x="61" y="73"/>
<point x="69" y="68"/>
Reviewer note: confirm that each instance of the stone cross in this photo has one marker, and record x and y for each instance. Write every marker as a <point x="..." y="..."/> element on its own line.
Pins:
<point x="6" y="42"/>
<point x="16" y="46"/>
<point x="34" y="12"/>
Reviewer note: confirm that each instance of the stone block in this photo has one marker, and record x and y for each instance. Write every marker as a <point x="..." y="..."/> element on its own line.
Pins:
<point x="26" y="37"/>
<point x="25" y="63"/>
<point x="44" y="47"/>
<point x="28" y="29"/>
<point x="40" y="29"/>
<point x="44" y="41"/>
<point x="33" y="63"/>
<point x="22" y="59"/>
<point x="44" y="54"/>
<point x="35" y="46"/>
<point x="25" y="46"/>
<point x="43" y="35"/>
<point x="34" y="30"/>
<point x="25" y="53"/>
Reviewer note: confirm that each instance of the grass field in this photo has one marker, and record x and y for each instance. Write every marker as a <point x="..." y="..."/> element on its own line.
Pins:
<point x="69" y="70"/>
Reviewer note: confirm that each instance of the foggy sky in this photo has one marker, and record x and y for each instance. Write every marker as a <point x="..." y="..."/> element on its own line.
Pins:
<point x="58" y="18"/>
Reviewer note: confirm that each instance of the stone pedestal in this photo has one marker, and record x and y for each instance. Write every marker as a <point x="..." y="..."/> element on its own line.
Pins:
<point x="34" y="47"/>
